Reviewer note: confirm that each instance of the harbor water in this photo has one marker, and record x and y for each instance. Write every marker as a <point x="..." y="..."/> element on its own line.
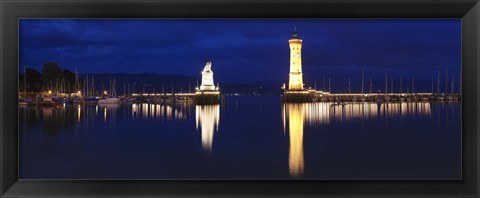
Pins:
<point x="246" y="137"/>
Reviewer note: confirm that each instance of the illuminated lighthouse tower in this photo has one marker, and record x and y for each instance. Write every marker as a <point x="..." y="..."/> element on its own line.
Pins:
<point x="295" y="77"/>
<point x="295" y="92"/>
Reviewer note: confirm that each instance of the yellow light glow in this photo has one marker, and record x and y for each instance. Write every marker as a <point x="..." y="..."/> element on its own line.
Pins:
<point x="299" y="114"/>
<point x="207" y="92"/>
<point x="208" y="118"/>
<point x="296" y="120"/>
<point x="105" y="114"/>
<point x="79" y="113"/>
<point x="296" y="76"/>
<point x="105" y="92"/>
<point x="320" y="113"/>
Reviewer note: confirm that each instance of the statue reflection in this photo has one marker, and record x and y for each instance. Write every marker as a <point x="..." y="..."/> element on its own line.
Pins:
<point x="208" y="118"/>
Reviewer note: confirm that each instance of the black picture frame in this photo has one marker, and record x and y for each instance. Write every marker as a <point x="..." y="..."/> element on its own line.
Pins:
<point x="11" y="11"/>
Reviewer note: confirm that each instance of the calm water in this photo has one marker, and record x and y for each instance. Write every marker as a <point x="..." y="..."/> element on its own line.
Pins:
<point x="244" y="138"/>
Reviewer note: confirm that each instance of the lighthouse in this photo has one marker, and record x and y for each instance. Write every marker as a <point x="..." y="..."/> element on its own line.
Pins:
<point x="295" y="90"/>
<point x="296" y="76"/>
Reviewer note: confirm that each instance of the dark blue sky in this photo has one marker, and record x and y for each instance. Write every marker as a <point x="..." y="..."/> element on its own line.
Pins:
<point x="249" y="50"/>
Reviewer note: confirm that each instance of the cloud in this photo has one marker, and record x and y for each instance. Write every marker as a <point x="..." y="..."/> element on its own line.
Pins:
<point x="242" y="49"/>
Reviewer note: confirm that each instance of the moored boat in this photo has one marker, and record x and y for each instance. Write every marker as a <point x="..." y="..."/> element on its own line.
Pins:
<point x="91" y="100"/>
<point x="47" y="101"/>
<point x="415" y="98"/>
<point x="440" y="98"/>
<point x="78" y="101"/>
<point x="24" y="102"/>
<point x="111" y="100"/>
<point x="387" y="98"/>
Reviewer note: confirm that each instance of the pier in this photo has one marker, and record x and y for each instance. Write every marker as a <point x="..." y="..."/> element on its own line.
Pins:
<point x="197" y="97"/>
<point x="296" y="92"/>
<point x="320" y="96"/>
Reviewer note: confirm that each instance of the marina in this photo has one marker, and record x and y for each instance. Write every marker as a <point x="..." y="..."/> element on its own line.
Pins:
<point x="238" y="99"/>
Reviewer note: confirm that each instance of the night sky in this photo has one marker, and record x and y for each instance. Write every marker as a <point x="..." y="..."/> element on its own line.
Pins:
<point x="251" y="50"/>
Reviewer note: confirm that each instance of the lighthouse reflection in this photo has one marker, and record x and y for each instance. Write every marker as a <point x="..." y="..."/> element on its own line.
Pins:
<point x="298" y="115"/>
<point x="207" y="118"/>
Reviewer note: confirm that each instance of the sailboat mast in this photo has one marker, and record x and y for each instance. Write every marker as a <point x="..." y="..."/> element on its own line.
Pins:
<point x="386" y="86"/>
<point x="349" y="85"/>
<point x="76" y="80"/>
<point x="324" y="83"/>
<point x="371" y="86"/>
<point x="438" y="82"/>
<point x="25" y="80"/>
<point x="401" y="76"/>
<point x="453" y="82"/>
<point x="432" y="85"/>
<point x="446" y="80"/>
<point x="391" y="85"/>
<point x="413" y="85"/>
<point x="87" y="88"/>
<point x="329" y="83"/>
<point x="93" y="87"/>
<point x="362" y="78"/>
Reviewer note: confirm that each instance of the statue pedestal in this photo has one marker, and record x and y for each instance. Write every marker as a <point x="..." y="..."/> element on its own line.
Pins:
<point x="207" y="97"/>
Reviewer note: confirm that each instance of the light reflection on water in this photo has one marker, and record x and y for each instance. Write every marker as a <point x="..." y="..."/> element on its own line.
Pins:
<point x="302" y="124"/>
<point x="322" y="113"/>
<point x="208" y="118"/>
<point x="296" y="114"/>
<point x="158" y="111"/>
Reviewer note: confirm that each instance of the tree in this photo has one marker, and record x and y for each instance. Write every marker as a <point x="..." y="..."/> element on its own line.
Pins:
<point x="21" y="79"/>
<point x="34" y="80"/>
<point x="51" y="74"/>
<point x="69" y="79"/>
